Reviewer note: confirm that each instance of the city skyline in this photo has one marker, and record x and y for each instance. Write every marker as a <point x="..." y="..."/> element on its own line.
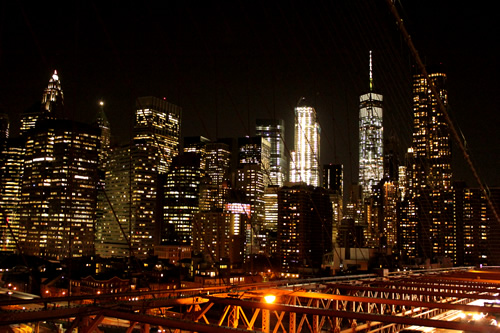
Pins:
<point x="264" y="62"/>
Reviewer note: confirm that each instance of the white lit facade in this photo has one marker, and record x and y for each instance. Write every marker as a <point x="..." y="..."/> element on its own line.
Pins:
<point x="371" y="162"/>
<point x="304" y="166"/>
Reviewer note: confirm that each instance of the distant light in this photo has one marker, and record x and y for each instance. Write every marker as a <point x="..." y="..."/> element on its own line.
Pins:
<point x="101" y="103"/>
<point x="270" y="298"/>
<point x="164" y="98"/>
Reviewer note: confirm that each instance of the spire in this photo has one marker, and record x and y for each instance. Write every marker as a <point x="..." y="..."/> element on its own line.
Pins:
<point x="371" y="72"/>
<point x="53" y="94"/>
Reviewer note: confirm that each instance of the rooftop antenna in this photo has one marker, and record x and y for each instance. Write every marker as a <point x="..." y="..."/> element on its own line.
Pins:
<point x="371" y="72"/>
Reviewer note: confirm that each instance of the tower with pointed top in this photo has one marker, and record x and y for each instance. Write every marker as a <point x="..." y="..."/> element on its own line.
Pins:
<point x="105" y="138"/>
<point x="371" y="166"/>
<point x="53" y="95"/>
<point x="304" y="164"/>
<point x="49" y="107"/>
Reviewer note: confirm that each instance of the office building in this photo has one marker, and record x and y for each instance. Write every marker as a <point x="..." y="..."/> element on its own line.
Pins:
<point x="157" y="126"/>
<point x="50" y="107"/>
<point x="371" y="167"/>
<point x="11" y="171"/>
<point x="181" y="193"/>
<point x="304" y="164"/>
<point x="58" y="193"/>
<point x="274" y="131"/>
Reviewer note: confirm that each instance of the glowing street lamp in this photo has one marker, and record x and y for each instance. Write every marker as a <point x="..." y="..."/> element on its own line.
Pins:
<point x="270" y="298"/>
<point x="266" y="315"/>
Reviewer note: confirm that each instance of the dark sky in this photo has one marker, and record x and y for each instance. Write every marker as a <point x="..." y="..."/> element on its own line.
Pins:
<point x="227" y="63"/>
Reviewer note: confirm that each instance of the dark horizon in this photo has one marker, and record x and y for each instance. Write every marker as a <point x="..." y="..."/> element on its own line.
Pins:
<point x="228" y="64"/>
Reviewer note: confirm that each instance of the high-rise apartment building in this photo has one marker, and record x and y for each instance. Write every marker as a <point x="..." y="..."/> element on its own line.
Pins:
<point x="304" y="164"/>
<point x="274" y="131"/>
<point x="58" y="193"/>
<point x="157" y="126"/>
<point x="431" y="146"/>
<point x="429" y="168"/>
<point x="371" y="166"/>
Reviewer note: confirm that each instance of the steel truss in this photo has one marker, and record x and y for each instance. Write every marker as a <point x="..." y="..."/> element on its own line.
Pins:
<point x="369" y="305"/>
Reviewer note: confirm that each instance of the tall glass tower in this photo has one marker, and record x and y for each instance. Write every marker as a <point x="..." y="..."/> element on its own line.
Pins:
<point x="304" y="166"/>
<point x="371" y="166"/>
<point x="274" y="131"/>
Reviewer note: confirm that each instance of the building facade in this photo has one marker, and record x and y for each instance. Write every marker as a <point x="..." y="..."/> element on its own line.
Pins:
<point x="274" y="131"/>
<point x="304" y="227"/>
<point x="58" y="193"/>
<point x="371" y="165"/>
<point x="304" y="164"/>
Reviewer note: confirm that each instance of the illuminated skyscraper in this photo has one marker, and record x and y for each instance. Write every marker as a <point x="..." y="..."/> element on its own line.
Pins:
<point x="133" y="181"/>
<point x="431" y="148"/>
<point x="304" y="166"/>
<point x="181" y="198"/>
<point x="53" y="96"/>
<point x="429" y="168"/>
<point x="11" y="169"/>
<point x="50" y="106"/>
<point x="58" y="193"/>
<point x="113" y="227"/>
<point x="214" y="187"/>
<point x="157" y="128"/>
<point x="274" y="131"/>
<point x="132" y="220"/>
<point x="371" y="167"/>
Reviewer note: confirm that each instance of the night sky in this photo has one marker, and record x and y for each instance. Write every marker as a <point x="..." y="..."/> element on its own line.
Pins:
<point x="227" y="63"/>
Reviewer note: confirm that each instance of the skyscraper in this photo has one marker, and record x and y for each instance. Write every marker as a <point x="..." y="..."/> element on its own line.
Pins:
<point x="53" y="97"/>
<point x="304" y="226"/>
<point x="11" y="170"/>
<point x="274" y="131"/>
<point x="157" y="126"/>
<point x="105" y="138"/>
<point x="113" y="227"/>
<point x="429" y="168"/>
<point x="181" y="198"/>
<point x="58" y="193"/>
<point x="371" y="167"/>
<point x="431" y="147"/>
<point x="133" y="181"/>
<point x="50" y="106"/>
<point x="304" y="166"/>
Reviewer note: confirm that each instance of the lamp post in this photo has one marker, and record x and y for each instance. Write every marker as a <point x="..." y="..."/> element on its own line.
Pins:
<point x="266" y="314"/>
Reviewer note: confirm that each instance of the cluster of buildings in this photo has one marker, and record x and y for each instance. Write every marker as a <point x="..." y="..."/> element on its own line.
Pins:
<point x="66" y="192"/>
